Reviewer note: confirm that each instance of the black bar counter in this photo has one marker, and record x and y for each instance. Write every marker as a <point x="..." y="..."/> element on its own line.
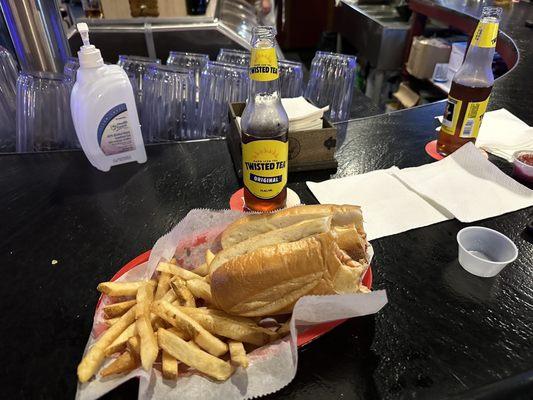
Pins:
<point x="444" y="333"/>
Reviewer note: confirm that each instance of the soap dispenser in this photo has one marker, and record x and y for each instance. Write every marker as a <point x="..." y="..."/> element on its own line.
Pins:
<point x="104" y="110"/>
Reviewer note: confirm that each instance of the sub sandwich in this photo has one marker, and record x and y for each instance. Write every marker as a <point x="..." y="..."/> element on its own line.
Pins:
<point x="269" y="261"/>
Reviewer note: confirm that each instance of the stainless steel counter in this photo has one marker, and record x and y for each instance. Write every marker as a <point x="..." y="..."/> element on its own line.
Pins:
<point x="376" y="31"/>
<point x="227" y="23"/>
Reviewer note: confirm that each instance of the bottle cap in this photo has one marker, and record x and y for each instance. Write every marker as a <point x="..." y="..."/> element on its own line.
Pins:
<point x="89" y="56"/>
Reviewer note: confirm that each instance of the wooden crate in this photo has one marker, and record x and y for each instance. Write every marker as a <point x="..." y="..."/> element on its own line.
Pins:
<point x="308" y="150"/>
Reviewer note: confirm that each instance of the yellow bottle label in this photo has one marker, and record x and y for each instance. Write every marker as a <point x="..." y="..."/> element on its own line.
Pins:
<point x="264" y="167"/>
<point x="485" y="35"/>
<point x="473" y="115"/>
<point x="264" y="64"/>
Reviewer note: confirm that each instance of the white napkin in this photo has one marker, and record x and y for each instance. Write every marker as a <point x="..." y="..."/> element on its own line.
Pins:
<point x="389" y="207"/>
<point x="303" y="116"/>
<point x="502" y="134"/>
<point x="298" y="108"/>
<point x="467" y="185"/>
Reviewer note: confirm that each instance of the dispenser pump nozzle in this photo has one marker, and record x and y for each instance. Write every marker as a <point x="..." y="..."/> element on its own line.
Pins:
<point x="83" y="29"/>
<point x="88" y="55"/>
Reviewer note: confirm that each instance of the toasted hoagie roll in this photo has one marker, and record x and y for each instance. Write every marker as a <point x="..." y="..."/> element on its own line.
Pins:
<point x="256" y="224"/>
<point x="270" y="280"/>
<point x="288" y="234"/>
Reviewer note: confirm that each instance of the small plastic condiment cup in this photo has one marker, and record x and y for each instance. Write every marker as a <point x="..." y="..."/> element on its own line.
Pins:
<point x="522" y="171"/>
<point x="484" y="252"/>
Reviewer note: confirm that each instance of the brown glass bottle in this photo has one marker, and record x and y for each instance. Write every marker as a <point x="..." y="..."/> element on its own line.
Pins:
<point x="265" y="125"/>
<point x="471" y="87"/>
<point x="447" y="143"/>
<point x="253" y="203"/>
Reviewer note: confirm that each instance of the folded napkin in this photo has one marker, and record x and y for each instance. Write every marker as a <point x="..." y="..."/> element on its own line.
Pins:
<point x="303" y="116"/>
<point x="298" y="108"/>
<point x="502" y="134"/>
<point x="467" y="185"/>
<point x="389" y="207"/>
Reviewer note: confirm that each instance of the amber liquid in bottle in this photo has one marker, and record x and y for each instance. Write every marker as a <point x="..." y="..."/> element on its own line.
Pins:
<point x="253" y="203"/>
<point x="265" y="127"/>
<point x="471" y="86"/>
<point x="447" y="144"/>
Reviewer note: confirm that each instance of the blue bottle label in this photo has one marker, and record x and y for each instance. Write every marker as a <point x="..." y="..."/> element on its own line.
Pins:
<point x="114" y="133"/>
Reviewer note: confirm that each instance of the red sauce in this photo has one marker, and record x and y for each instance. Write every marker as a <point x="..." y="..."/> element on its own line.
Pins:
<point x="526" y="158"/>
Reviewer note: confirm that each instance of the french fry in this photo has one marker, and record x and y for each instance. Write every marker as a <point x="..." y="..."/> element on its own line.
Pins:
<point x="238" y="329"/>
<point x="201" y="270"/>
<point x="195" y="358"/>
<point x="162" y="285"/>
<point x="120" y="288"/>
<point x="120" y="342"/>
<point x="111" y="321"/>
<point x="193" y="344"/>
<point x="209" y="256"/>
<point x="124" y="363"/>
<point x="200" y="289"/>
<point x="117" y="309"/>
<point x="145" y="296"/>
<point x="177" y="280"/>
<point x="174" y="261"/>
<point x="149" y="349"/>
<point x="175" y="270"/>
<point x="169" y="366"/>
<point x="169" y="296"/>
<point x="238" y="354"/>
<point x="134" y="346"/>
<point x="96" y="354"/>
<point x="181" y="333"/>
<point x="183" y="294"/>
<point x="201" y="336"/>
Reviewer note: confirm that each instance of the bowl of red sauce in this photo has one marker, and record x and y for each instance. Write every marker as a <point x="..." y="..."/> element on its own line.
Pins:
<point x="523" y="166"/>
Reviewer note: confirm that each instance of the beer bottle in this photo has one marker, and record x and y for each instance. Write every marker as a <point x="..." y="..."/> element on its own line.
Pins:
<point x="471" y="86"/>
<point x="264" y="124"/>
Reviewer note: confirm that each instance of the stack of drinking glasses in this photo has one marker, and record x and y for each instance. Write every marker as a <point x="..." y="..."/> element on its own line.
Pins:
<point x="44" y="121"/>
<point x="193" y="61"/>
<point x="135" y="67"/>
<point x="221" y="83"/>
<point x="168" y="104"/>
<point x="291" y="78"/>
<point x="331" y="83"/>
<point x="233" y="56"/>
<point x="71" y="68"/>
<point x="290" y="72"/>
<point x="8" y="82"/>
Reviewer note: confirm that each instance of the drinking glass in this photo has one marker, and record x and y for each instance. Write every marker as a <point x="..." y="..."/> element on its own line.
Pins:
<point x="331" y="82"/>
<point x="71" y="68"/>
<point x="290" y="72"/>
<point x="291" y="78"/>
<point x="168" y="108"/>
<point x="43" y="114"/>
<point x="195" y="62"/>
<point x="135" y="66"/>
<point x="221" y="84"/>
<point x="8" y="99"/>
<point x="236" y="57"/>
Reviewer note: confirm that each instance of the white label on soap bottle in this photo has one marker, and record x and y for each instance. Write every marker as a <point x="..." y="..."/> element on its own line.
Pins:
<point x="114" y="133"/>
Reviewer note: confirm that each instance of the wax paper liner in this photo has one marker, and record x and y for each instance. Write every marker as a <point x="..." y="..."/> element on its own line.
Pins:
<point x="271" y="367"/>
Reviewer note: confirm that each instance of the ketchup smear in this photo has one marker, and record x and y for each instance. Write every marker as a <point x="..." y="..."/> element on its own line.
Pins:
<point x="526" y="158"/>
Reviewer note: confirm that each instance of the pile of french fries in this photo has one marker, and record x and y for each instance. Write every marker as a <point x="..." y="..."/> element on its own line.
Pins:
<point x="170" y="323"/>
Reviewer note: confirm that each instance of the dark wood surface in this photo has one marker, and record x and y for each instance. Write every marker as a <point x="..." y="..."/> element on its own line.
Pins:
<point x="444" y="333"/>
